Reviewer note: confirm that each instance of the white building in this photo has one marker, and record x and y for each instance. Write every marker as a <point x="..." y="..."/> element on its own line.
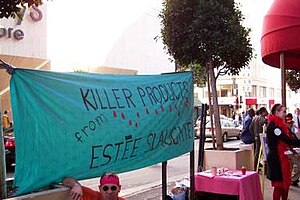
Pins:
<point x="23" y="45"/>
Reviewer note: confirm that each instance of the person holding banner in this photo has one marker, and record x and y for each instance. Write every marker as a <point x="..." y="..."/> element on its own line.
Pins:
<point x="278" y="140"/>
<point x="109" y="188"/>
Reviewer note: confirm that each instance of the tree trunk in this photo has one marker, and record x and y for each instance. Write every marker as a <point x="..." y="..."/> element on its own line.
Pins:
<point x="213" y="85"/>
<point x="211" y="112"/>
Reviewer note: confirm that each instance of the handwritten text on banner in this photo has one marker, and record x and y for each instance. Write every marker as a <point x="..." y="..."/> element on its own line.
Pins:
<point x="81" y="125"/>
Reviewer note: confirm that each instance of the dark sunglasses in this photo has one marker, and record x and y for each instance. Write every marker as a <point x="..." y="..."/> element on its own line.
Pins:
<point x="112" y="188"/>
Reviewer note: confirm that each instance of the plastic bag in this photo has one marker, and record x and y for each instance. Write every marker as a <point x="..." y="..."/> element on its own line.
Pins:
<point x="178" y="192"/>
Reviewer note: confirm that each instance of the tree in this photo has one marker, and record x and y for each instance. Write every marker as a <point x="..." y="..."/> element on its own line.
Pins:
<point x="293" y="79"/>
<point x="10" y="8"/>
<point x="208" y="33"/>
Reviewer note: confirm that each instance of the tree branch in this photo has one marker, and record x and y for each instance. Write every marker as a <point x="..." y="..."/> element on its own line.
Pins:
<point x="222" y="72"/>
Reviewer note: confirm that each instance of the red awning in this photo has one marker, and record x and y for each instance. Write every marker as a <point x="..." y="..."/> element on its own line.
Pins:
<point x="280" y="34"/>
<point x="251" y="101"/>
<point x="271" y="101"/>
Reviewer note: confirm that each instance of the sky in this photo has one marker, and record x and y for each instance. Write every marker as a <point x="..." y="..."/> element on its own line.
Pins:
<point x="254" y="12"/>
<point x="83" y="33"/>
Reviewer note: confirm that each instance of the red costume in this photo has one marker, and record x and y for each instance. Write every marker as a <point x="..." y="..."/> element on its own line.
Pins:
<point x="278" y="140"/>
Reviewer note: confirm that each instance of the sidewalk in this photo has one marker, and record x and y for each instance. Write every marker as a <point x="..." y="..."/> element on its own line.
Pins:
<point x="294" y="192"/>
<point x="154" y="192"/>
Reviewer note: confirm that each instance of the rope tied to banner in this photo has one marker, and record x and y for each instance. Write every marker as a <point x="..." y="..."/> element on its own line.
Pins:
<point x="9" y="68"/>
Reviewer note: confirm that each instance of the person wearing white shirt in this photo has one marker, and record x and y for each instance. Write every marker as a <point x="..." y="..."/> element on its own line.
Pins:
<point x="296" y="119"/>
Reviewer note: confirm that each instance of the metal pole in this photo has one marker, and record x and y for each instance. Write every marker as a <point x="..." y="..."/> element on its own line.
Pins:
<point x="192" y="174"/>
<point x="202" y="137"/>
<point x="283" y="86"/>
<point x="3" y="189"/>
<point x="199" y="167"/>
<point x="164" y="180"/>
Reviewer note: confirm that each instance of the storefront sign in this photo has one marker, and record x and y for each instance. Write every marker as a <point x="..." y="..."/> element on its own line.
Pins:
<point x="9" y="33"/>
<point x="18" y="34"/>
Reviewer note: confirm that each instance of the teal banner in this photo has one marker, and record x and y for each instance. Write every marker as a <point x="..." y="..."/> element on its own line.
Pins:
<point x="81" y="125"/>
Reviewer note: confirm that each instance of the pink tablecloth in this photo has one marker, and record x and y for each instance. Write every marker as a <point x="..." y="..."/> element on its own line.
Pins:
<point x="247" y="187"/>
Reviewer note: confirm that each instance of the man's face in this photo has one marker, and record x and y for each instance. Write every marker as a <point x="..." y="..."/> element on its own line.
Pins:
<point x="109" y="191"/>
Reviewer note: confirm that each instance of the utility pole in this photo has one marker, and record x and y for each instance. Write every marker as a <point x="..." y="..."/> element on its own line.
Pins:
<point x="3" y="190"/>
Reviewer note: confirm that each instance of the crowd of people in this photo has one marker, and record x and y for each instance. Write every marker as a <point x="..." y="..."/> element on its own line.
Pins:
<point x="282" y="132"/>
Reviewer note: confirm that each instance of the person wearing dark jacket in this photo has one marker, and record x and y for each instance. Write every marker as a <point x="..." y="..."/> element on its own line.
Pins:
<point x="246" y="136"/>
<point x="256" y="128"/>
<point x="278" y="141"/>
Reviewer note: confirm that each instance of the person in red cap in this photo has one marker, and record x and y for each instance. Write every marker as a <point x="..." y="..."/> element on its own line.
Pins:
<point x="109" y="188"/>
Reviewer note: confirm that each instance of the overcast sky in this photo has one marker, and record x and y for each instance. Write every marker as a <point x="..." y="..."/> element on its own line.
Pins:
<point x="82" y="33"/>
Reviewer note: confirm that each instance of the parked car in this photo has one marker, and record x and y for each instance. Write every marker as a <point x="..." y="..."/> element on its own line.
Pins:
<point x="9" y="145"/>
<point x="229" y="128"/>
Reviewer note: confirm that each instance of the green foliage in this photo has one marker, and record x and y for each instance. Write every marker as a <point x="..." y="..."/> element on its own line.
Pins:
<point x="193" y="31"/>
<point x="293" y="79"/>
<point x="10" y="8"/>
<point x="199" y="73"/>
<point x="204" y="35"/>
<point x="79" y="71"/>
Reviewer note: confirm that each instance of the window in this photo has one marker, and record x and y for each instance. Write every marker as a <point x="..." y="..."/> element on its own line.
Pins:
<point x="262" y="92"/>
<point x="254" y="91"/>
<point x="272" y="91"/>
<point x="226" y="90"/>
<point x="224" y="93"/>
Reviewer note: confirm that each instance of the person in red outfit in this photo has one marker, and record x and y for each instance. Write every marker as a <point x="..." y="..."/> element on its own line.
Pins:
<point x="278" y="140"/>
<point x="109" y="188"/>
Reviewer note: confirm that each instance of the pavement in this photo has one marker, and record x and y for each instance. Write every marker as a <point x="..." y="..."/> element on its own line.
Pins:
<point x="153" y="191"/>
<point x="294" y="192"/>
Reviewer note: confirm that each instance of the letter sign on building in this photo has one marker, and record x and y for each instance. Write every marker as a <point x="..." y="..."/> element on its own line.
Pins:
<point x="9" y="33"/>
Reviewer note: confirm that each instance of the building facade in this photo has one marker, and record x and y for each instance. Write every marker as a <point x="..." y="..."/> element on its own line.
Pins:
<point x="23" y="44"/>
<point x="257" y="85"/>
